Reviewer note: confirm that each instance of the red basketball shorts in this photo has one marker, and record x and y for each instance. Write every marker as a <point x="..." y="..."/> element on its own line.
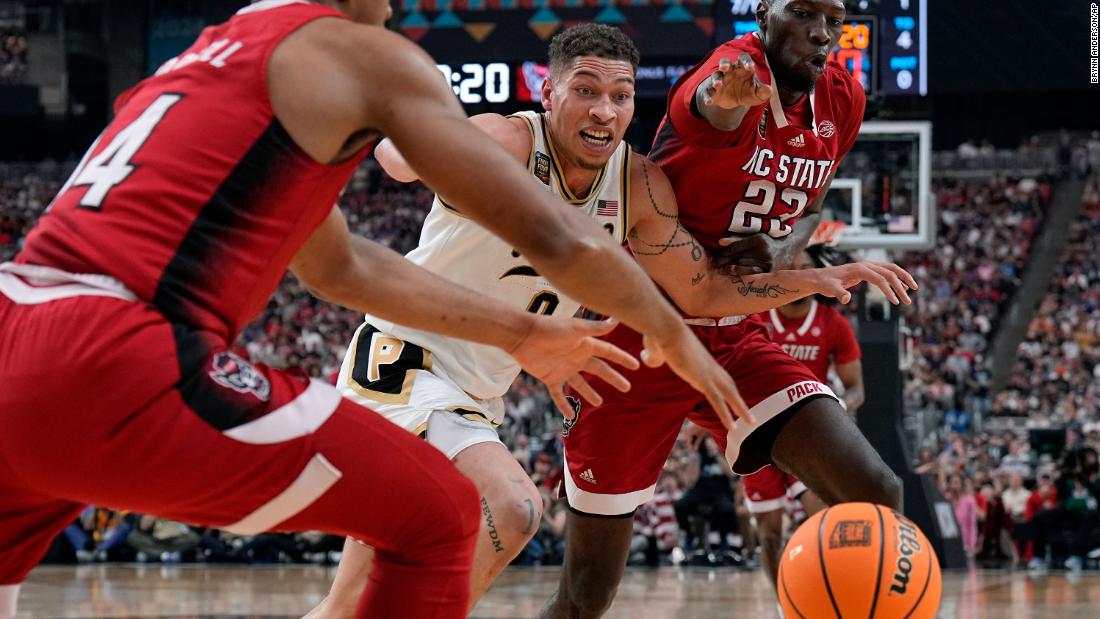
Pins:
<point x="614" y="453"/>
<point x="104" y="402"/>
<point x="770" y="489"/>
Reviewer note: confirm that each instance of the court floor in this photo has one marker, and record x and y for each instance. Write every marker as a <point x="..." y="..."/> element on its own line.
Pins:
<point x="289" y="591"/>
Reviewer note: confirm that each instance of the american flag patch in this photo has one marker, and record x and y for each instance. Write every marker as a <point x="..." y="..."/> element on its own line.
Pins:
<point x="607" y="208"/>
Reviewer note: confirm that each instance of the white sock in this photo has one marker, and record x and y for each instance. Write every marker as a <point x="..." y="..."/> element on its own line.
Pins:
<point x="8" y="596"/>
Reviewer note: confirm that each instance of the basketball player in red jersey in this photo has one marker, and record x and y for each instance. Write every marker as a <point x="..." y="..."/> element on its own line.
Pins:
<point x="216" y="174"/>
<point x="750" y="142"/>
<point x="576" y="149"/>
<point x="817" y="335"/>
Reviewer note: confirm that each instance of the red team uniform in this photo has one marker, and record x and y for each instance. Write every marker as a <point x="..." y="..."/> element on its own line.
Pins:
<point x="817" y="339"/>
<point x="119" y="388"/>
<point x="756" y="179"/>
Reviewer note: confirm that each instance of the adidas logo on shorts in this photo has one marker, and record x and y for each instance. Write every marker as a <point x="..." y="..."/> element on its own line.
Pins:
<point x="587" y="476"/>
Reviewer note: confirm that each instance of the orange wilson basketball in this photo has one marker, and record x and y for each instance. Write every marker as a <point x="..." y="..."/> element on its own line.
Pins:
<point x="859" y="560"/>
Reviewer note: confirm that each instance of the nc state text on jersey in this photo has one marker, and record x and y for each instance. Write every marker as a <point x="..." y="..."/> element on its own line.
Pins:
<point x="787" y="170"/>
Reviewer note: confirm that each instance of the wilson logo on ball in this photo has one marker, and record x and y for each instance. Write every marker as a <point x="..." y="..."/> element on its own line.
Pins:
<point x="908" y="545"/>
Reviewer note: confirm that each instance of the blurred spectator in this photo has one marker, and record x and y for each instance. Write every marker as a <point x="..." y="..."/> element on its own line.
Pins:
<point x="13" y="56"/>
<point x="708" y="504"/>
<point x="1015" y="497"/>
<point x="960" y="491"/>
<point x="156" y="538"/>
<point x="1058" y="363"/>
<point x="97" y="534"/>
<point x="655" y="527"/>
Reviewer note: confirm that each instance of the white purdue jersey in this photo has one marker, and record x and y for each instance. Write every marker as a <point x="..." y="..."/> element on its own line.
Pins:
<point x="458" y="249"/>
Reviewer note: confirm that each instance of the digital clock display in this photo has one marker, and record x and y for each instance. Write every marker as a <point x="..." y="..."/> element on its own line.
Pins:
<point x="855" y="51"/>
<point x="476" y="82"/>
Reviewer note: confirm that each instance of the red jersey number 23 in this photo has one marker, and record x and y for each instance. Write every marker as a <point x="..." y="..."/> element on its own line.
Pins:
<point x="755" y="213"/>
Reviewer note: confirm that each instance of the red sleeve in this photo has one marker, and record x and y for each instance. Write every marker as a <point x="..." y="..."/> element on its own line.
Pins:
<point x="851" y="103"/>
<point x="845" y="346"/>
<point x="697" y="130"/>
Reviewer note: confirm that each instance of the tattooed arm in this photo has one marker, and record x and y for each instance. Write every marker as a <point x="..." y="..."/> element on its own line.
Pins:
<point x="680" y="265"/>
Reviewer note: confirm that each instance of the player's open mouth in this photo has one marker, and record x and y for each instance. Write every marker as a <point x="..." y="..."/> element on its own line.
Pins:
<point x="596" y="137"/>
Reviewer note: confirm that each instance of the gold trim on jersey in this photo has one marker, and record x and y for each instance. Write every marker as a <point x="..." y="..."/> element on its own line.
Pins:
<point x="421" y="430"/>
<point x="559" y="176"/>
<point x="450" y="209"/>
<point x="408" y="364"/>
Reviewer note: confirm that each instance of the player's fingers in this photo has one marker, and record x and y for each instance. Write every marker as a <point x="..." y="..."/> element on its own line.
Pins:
<point x="558" y="397"/>
<point x="733" y="396"/>
<point x="834" y="288"/>
<point x="718" y="403"/>
<point x="608" y="374"/>
<point x="724" y="65"/>
<point x="594" y="328"/>
<point x="873" y="277"/>
<point x="652" y="355"/>
<point x="895" y="282"/>
<point x="584" y="390"/>
<point x="614" y="354"/>
<point x="741" y="270"/>
<point x="901" y="273"/>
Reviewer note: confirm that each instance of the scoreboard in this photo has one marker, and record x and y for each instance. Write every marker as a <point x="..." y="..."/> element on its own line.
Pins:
<point x="904" y="47"/>
<point x="884" y="46"/>
<point x="494" y="51"/>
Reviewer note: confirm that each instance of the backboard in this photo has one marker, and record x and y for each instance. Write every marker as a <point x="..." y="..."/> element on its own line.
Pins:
<point x="882" y="190"/>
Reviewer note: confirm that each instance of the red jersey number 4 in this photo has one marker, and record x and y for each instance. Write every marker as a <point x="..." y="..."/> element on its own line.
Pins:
<point x="103" y="172"/>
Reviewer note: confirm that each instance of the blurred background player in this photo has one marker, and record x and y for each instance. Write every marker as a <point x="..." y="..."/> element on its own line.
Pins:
<point x="750" y="143"/>
<point x="450" y="391"/>
<point x="816" y="334"/>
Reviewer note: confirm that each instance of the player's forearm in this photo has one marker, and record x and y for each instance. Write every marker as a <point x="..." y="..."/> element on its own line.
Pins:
<point x="720" y="118"/>
<point x="383" y="283"/>
<point x="605" y="278"/>
<point x="737" y="295"/>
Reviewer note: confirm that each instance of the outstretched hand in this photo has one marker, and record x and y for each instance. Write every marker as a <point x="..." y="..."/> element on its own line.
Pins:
<point x="735" y="84"/>
<point x="557" y="350"/>
<point x="894" y="281"/>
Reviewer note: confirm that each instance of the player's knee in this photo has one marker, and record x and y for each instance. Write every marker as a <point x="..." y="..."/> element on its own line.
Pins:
<point x="522" y="514"/>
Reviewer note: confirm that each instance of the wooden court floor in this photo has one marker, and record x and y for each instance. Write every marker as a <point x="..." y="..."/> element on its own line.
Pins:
<point x="277" y="592"/>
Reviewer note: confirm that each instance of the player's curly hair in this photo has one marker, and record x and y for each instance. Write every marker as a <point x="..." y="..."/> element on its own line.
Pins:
<point x="597" y="40"/>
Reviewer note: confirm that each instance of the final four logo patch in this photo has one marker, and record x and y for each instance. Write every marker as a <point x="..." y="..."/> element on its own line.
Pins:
<point x="542" y="167"/>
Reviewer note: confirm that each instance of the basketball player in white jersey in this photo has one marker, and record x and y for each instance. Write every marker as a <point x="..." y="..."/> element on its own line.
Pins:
<point x="448" y="390"/>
